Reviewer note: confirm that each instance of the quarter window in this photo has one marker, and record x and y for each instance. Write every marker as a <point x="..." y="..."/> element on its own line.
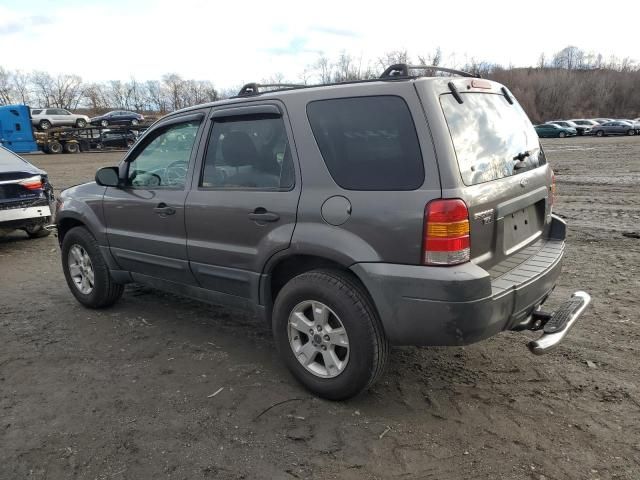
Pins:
<point x="368" y="143"/>
<point x="164" y="161"/>
<point x="248" y="153"/>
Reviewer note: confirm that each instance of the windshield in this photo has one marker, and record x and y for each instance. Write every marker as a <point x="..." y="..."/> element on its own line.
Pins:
<point x="490" y="136"/>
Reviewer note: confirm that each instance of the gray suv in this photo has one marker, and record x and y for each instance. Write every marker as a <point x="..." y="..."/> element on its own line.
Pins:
<point x="401" y="211"/>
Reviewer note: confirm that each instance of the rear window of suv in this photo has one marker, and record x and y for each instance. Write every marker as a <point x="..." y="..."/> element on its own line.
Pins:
<point x="368" y="143"/>
<point x="488" y="134"/>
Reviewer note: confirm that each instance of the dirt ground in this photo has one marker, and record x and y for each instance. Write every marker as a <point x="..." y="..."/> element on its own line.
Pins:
<point x="127" y="393"/>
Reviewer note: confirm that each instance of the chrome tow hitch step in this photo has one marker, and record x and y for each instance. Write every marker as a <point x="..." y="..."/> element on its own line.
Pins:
<point x="556" y="325"/>
<point x="52" y="227"/>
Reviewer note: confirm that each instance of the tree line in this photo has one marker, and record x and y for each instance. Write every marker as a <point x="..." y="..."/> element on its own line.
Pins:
<point x="571" y="83"/>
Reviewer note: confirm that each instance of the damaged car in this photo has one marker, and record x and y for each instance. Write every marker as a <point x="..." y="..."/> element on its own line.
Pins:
<point x="26" y="196"/>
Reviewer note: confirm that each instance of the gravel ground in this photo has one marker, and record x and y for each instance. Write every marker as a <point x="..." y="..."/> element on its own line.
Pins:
<point x="127" y="393"/>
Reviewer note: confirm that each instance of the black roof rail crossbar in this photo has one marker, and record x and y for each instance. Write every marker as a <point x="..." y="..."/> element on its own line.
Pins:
<point x="402" y="70"/>
<point x="254" y="88"/>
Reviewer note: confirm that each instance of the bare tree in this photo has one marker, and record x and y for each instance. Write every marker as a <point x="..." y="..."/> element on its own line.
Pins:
<point x="5" y="87"/>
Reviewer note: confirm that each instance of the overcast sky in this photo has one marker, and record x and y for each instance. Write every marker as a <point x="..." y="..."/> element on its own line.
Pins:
<point x="234" y="42"/>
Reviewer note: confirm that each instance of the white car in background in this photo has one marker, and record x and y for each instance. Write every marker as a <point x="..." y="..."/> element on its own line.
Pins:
<point x="45" y="118"/>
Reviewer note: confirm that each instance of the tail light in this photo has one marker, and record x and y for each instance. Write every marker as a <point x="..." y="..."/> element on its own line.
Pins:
<point x="32" y="183"/>
<point x="446" y="233"/>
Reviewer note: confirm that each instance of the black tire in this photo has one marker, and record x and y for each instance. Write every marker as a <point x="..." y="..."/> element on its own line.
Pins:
<point x="631" y="132"/>
<point x="44" y="125"/>
<point x="105" y="291"/>
<point x="104" y="123"/>
<point x="600" y="133"/>
<point x="37" y="231"/>
<point x="368" y="346"/>
<point x="562" y="135"/>
<point x="55" y="147"/>
<point x="134" y="122"/>
<point x="71" y="147"/>
<point x="81" y="123"/>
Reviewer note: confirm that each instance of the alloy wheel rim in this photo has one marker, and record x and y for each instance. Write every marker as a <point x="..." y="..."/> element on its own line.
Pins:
<point x="81" y="269"/>
<point x="318" y="339"/>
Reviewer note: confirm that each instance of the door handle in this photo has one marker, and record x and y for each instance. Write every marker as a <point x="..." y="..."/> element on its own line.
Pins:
<point x="261" y="215"/>
<point x="163" y="210"/>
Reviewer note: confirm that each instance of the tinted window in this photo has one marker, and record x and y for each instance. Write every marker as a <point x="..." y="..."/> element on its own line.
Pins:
<point x="487" y="134"/>
<point x="368" y="143"/>
<point x="248" y="152"/>
<point x="164" y="161"/>
<point x="36" y="112"/>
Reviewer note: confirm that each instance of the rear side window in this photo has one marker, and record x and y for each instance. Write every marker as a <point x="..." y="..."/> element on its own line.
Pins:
<point x="368" y="143"/>
<point x="490" y="135"/>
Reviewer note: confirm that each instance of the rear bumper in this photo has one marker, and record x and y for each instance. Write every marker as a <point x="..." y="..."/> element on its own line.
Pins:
<point x="11" y="215"/>
<point x="463" y="304"/>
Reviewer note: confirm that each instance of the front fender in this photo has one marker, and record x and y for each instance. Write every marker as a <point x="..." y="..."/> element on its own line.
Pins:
<point x="83" y="204"/>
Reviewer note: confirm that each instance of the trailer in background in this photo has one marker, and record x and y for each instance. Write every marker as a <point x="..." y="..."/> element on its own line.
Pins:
<point x="17" y="134"/>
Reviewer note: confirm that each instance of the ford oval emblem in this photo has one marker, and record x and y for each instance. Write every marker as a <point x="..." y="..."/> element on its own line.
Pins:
<point x="524" y="182"/>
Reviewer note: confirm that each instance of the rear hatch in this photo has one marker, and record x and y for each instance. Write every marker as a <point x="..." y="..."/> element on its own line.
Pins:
<point x="494" y="162"/>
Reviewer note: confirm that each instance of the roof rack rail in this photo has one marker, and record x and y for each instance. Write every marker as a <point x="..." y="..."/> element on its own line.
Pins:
<point x="254" y="88"/>
<point x="402" y="70"/>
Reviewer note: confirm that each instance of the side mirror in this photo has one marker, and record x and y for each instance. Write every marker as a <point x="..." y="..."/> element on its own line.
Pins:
<point x="108" y="177"/>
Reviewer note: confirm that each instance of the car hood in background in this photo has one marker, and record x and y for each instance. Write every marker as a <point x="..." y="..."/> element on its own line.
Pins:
<point x="9" y="162"/>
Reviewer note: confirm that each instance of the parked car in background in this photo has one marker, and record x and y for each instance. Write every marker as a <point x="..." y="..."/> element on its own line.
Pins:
<point x="615" y="127"/>
<point x="26" y="196"/>
<point x="600" y="121"/>
<point x="45" y="118"/>
<point x="117" y="139"/>
<point x="580" y="129"/>
<point x="583" y="122"/>
<point x="551" y="130"/>
<point x="117" y="117"/>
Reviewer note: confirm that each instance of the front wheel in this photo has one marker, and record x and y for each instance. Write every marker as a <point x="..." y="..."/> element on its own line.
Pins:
<point x="81" y="123"/>
<point x="562" y="135"/>
<point x="86" y="272"/>
<point x="631" y="132"/>
<point x="104" y="123"/>
<point x="599" y="133"/>
<point x="329" y="334"/>
<point x="134" y="122"/>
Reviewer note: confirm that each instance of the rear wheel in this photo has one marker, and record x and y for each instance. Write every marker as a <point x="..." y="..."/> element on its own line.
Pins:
<point x="631" y="132"/>
<point x="329" y="334"/>
<point x="134" y="122"/>
<point x="44" y="124"/>
<point x="562" y="135"/>
<point x="55" y="147"/>
<point x="71" y="147"/>
<point x="81" y="123"/>
<point x="104" y="123"/>
<point x="86" y="272"/>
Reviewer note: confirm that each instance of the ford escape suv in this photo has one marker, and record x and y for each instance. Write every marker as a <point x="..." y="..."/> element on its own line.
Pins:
<point x="401" y="211"/>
